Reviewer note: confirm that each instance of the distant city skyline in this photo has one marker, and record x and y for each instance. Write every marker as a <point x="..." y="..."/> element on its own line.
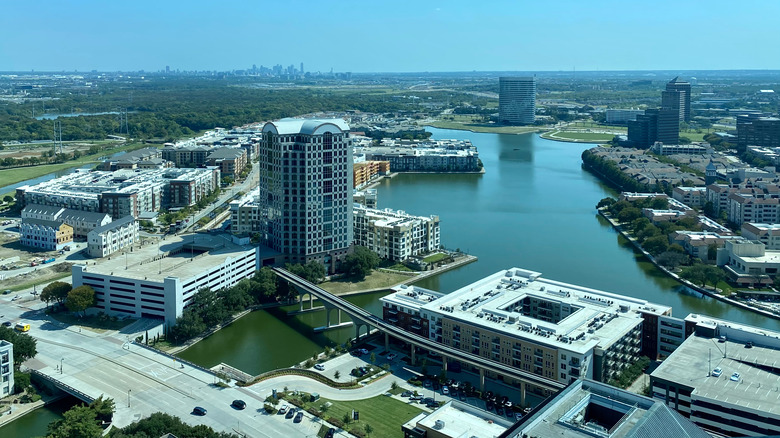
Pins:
<point x="402" y="36"/>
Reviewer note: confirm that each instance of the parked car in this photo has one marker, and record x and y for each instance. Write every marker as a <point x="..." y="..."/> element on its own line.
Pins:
<point x="298" y="417"/>
<point x="717" y="372"/>
<point x="406" y="394"/>
<point x="445" y="390"/>
<point x="391" y="356"/>
<point x="427" y="383"/>
<point x="238" y="404"/>
<point x="416" y="397"/>
<point x="283" y="409"/>
<point x="8" y="324"/>
<point x="319" y="367"/>
<point x="489" y="405"/>
<point x="290" y="413"/>
<point x="330" y="433"/>
<point x="748" y="345"/>
<point x="735" y="377"/>
<point x="199" y="411"/>
<point x="499" y="410"/>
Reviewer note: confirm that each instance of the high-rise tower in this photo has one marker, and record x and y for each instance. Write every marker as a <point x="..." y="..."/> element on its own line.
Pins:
<point x="306" y="189"/>
<point x="517" y="100"/>
<point x="677" y="96"/>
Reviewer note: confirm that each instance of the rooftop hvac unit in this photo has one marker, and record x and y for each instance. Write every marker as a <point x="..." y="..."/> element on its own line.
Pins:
<point x="439" y="425"/>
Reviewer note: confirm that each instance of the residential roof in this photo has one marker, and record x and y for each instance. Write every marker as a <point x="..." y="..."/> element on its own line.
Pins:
<point x="42" y="209"/>
<point x="113" y="225"/>
<point x="228" y="153"/>
<point x="43" y="222"/>
<point x="87" y="216"/>
<point x="303" y="126"/>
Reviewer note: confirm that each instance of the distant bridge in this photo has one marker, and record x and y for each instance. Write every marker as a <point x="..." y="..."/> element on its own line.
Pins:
<point x="363" y="318"/>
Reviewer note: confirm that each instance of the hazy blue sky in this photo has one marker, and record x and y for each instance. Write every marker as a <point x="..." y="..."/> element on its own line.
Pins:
<point x="390" y="36"/>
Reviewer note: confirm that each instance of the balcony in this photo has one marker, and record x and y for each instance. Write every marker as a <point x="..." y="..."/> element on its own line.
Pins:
<point x="575" y="364"/>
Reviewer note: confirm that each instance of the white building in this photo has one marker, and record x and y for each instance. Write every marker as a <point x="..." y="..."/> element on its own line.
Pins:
<point x="724" y="378"/>
<point x="306" y="186"/>
<point x="690" y="196"/>
<point x="622" y="115"/>
<point x="82" y="222"/>
<point x="46" y="235"/>
<point x="6" y="368"/>
<point x="517" y="100"/>
<point x="768" y="234"/>
<point x="395" y="235"/>
<point x="160" y="281"/>
<point x="674" y="149"/>
<point x="112" y="237"/>
<point x="246" y="215"/>
<point x="750" y="264"/>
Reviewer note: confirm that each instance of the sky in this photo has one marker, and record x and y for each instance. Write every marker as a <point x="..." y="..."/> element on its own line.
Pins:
<point x="389" y="36"/>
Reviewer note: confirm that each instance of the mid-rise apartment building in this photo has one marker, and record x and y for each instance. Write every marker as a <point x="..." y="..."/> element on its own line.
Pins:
<point x="768" y="234"/>
<point x="558" y="331"/>
<point x="6" y="368"/>
<point x="112" y="237"/>
<point x="230" y="161"/>
<point x="724" y="378"/>
<point x="395" y="235"/>
<point x="246" y="215"/>
<point x="365" y="171"/>
<point x="46" y="235"/>
<point x="82" y="222"/>
<point x="690" y="196"/>
<point x="306" y="186"/>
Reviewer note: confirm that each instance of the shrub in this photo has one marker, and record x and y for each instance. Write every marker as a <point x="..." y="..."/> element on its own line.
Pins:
<point x="336" y="422"/>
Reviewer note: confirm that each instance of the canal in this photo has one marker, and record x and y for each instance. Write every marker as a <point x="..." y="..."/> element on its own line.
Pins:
<point x="533" y="208"/>
<point x="35" y="423"/>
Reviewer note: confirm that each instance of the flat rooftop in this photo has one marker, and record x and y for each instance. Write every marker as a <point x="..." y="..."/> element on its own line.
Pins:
<point x="757" y="387"/>
<point x="182" y="256"/>
<point x="588" y="317"/>
<point x="456" y="419"/>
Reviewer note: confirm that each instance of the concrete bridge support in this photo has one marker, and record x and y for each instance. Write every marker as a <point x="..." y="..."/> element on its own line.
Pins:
<point x="481" y="380"/>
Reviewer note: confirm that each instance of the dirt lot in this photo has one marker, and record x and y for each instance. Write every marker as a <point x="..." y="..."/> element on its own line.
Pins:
<point x="37" y="149"/>
<point x="10" y="247"/>
<point x="40" y="277"/>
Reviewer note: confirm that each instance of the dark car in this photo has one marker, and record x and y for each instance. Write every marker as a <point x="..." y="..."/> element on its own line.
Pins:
<point x="239" y="404"/>
<point x="500" y="410"/>
<point x="489" y="406"/>
<point x="406" y="394"/>
<point x="199" y="411"/>
<point x="290" y="413"/>
<point x="7" y="324"/>
<point x="330" y="433"/>
<point x="298" y="417"/>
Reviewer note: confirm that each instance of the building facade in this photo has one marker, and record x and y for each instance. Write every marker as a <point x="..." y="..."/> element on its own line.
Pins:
<point x="395" y="235"/>
<point x="559" y="331"/>
<point x="306" y="185"/>
<point x="112" y="237"/>
<point x="757" y="130"/>
<point x="46" y="235"/>
<point x="517" y="100"/>
<point x="364" y="172"/>
<point x="768" y="234"/>
<point x="677" y="97"/>
<point x="622" y="116"/>
<point x="6" y="368"/>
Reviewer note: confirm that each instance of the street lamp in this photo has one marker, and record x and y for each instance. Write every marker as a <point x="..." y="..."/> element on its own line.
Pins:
<point x="61" y="360"/>
<point x="128" y="397"/>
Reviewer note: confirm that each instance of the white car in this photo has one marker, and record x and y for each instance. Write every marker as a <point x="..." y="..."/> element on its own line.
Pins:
<point x="445" y="390"/>
<point x="283" y="409"/>
<point x="735" y="377"/>
<point x="319" y="367"/>
<point x="717" y="372"/>
<point x="391" y="356"/>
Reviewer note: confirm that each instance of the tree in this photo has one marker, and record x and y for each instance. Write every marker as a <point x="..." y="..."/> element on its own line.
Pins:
<point x="55" y="291"/>
<point x="8" y="198"/>
<point x="80" y="299"/>
<point x="78" y="422"/>
<point x="695" y="274"/>
<point x="188" y="325"/>
<point x="712" y="251"/>
<point x="337" y="375"/>
<point x="606" y="202"/>
<point x="21" y="382"/>
<point x="368" y="429"/>
<point x="659" y="203"/>
<point x="372" y="358"/>
<point x="629" y="214"/>
<point x="24" y="344"/>
<point x="360" y="263"/>
<point x="347" y="418"/>
<point x="671" y="259"/>
<point x="104" y="408"/>
<point x="656" y="245"/>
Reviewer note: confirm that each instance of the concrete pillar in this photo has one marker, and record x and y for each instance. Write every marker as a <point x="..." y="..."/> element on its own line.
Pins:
<point x="339" y="315"/>
<point x="387" y="342"/>
<point x="300" y="300"/>
<point x="357" y="331"/>
<point x="481" y="380"/>
<point x="413" y="353"/>
<point x="522" y="394"/>
<point x="444" y="362"/>
<point x="311" y="301"/>
<point x="327" y="317"/>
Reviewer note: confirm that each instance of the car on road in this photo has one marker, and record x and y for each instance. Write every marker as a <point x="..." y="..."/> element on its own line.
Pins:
<point x="290" y="413"/>
<point x="391" y="356"/>
<point x="427" y="383"/>
<point x="239" y="404"/>
<point x="199" y="411"/>
<point x="717" y="372"/>
<point x="330" y="433"/>
<point x="406" y="394"/>
<point x="298" y="417"/>
<point x="735" y="377"/>
<point x="319" y="367"/>
<point x="283" y="409"/>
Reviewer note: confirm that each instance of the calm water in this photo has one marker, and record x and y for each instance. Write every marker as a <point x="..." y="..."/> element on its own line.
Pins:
<point x="534" y="208"/>
<point x="34" y="424"/>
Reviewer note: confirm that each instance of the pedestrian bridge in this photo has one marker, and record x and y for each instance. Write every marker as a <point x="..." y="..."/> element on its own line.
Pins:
<point x="363" y="318"/>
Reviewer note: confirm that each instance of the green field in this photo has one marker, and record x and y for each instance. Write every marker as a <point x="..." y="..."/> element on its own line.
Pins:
<point x="377" y="280"/>
<point x="386" y="415"/>
<point x="433" y="258"/>
<point x="582" y="136"/>
<point x="466" y="122"/>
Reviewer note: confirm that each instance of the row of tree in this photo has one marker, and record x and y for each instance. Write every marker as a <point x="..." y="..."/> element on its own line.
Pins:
<point x="76" y="300"/>
<point x="609" y="170"/>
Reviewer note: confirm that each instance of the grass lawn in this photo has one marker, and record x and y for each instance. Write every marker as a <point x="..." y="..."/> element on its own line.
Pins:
<point x="584" y="135"/>
<point x="377" y="280"/>
<point x="91" y="322"/>
<point x="464" y="122"/>
<point x="384" y="414"/>
<point x="433" y="258"/>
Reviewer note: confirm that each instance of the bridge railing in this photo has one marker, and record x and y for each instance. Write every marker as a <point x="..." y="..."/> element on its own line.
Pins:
<point x="63" y="386"/>
<point x="176" y="358"/>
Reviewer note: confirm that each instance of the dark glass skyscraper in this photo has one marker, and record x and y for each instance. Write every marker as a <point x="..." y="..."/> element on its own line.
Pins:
<point x="517" y="100"/>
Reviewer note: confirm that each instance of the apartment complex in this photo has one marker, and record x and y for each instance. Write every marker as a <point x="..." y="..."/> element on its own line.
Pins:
<point x="82" y="222"/>
<point x="749" y="264"/>
<point x="517" y="100"/>
<point x="230" y="161"/>
<point x="690" y="196"/>
<point x="559" y="331"/>
<point x="724" y="378"/>
<point x="46" y="235"/>
<point x="425" y="156"/>
<point x="365" y="171"/>
<point x="306" y="186"/>
<point x="160" y="281"/>
<point x="246" y="215"/>
<point x="112" y="237"/>
<point x="589" y="409"/>
<point x="768" y="234"/>
<point x="123" y="192"/>
<point x="6" y="368"/>
<point x="395" y="235"/>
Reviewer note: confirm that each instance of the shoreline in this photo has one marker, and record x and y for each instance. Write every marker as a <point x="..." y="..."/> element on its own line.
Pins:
<point x="682" y="281"/>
